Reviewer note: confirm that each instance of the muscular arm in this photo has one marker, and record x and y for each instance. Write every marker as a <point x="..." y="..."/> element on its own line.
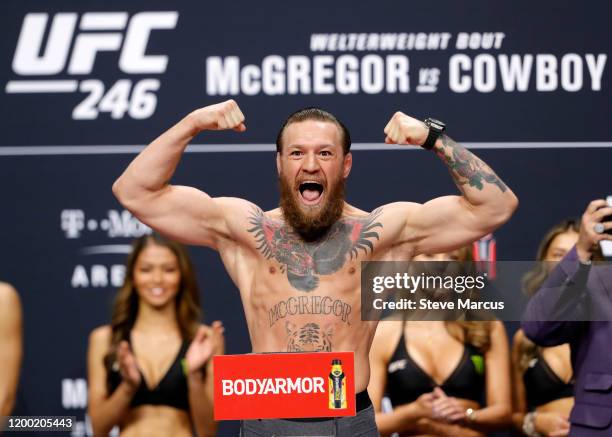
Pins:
<point x="10" y="347"/>
<point x="182" y="213"/>
<point x="449" y="222"/>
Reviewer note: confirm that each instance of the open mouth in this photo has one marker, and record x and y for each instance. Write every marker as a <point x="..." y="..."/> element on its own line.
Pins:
<point x="311" y="192"/>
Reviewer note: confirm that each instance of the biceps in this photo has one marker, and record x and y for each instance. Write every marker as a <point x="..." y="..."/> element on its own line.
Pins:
<point x="444" y="224"/>
<point x="184" y="214"/>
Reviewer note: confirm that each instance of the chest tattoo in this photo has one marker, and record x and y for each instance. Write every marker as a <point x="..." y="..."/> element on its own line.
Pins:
<point x="304" y="262"/>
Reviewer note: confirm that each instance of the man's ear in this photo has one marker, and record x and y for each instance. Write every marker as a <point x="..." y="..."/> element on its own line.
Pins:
<point x="347" y="164"/>
<point x="278" y="163"/>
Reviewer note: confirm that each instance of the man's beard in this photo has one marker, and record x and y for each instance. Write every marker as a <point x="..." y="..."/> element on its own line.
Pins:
<point x="311" y="227"/>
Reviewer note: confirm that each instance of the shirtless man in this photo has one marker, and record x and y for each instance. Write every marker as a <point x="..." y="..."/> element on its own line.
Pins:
<point x="298" y="266"/>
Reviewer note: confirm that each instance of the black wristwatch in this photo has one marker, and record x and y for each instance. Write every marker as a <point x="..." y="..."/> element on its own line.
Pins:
<point x="436" y="127"/>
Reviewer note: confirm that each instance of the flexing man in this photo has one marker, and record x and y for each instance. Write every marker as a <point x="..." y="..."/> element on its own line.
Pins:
<point x="298" y="266"/>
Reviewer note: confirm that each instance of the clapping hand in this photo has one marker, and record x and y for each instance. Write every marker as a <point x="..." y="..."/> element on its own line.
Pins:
<point x="128" y="367"/>
<point x="208" y="341"/>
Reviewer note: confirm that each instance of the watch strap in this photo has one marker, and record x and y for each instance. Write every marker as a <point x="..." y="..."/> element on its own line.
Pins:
<point x="432" y="137"/>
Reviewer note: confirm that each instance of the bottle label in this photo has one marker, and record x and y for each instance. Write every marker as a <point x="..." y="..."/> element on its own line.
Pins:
<point x="337" y="388"/>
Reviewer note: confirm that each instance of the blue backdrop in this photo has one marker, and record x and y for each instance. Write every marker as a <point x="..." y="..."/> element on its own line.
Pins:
<point x="526" y="84"/>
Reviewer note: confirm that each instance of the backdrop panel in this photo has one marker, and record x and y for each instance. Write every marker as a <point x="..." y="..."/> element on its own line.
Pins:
<point x="526" y="84"/>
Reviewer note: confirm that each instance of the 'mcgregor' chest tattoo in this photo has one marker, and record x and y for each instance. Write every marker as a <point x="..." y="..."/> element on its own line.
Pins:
<point x="305" y="262"/>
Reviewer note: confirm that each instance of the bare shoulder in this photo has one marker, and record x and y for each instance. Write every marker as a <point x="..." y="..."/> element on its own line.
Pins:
<point x="519" y="336"/>
<point x="400" y="207"/>
<point x="237" y="209"/>
<point x="248" y="212"/>
<point x="382" y="212"/>
<point x="10" y="303"/>
<point x="387" y="335"/>
<point x="365" y="218"/>
<point x="498" y="331"/>
<point x="518" y="344"/>
<point x="234" y="202"/>
<point x="239" y="215"/>
<point x="499" y="339"/>
<point x="388" y="328"/>
<point x="8" y="294"/>
<point x="101" y="336"/>
<point x="498" y="327"/>
<point x="354" y="212"/>
<point x="393" y="218"/>
<point x="10" y="312"/>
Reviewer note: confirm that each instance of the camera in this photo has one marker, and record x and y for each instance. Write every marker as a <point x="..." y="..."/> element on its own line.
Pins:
<point x="608" y="218"/>
<point x="606" y="246"/>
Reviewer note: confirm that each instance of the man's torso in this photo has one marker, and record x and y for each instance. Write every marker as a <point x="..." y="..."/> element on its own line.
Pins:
<point x="306" y="296"/>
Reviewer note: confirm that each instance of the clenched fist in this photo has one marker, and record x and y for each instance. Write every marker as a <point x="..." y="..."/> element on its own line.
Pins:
<point x="403" y="129"/>
<point x="225" y="115"/>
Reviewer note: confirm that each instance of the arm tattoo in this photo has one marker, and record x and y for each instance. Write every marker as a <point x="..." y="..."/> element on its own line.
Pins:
<point x="305" y="261"/>
<point x="465" y="167"/>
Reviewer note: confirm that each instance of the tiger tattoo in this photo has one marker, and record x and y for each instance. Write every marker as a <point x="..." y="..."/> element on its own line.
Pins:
<point x="308" y="338"/>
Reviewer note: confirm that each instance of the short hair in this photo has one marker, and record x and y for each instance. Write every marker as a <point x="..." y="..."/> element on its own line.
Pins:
<point x="318" y="114"/>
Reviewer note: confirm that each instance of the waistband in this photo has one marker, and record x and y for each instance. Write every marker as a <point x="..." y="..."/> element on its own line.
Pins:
<point x="362" y="400"/>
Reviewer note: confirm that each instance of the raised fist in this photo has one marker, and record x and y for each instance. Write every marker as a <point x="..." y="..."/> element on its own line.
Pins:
<point x="221" y="116"/>
<point x="403" y="129"/>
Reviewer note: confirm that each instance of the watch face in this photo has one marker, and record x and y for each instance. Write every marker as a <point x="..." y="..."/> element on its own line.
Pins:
<point x="436" y="124"/>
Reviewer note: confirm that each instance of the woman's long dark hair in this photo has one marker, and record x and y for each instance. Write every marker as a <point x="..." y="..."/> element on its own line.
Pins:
<point x="476" y="333"/>
<point x="125" y="308"/>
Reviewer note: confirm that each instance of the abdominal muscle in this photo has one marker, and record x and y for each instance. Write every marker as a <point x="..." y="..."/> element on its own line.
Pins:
<point x="281" y="319"/>
<point x="156" y="420"/>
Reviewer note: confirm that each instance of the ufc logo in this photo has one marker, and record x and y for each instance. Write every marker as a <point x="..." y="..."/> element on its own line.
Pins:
<point x="105" y="31"/>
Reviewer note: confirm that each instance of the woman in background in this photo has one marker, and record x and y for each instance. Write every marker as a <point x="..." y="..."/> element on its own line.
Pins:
<point x="542" y="376"/>
<point x="442" y="378"/>
<point x="150" y="371"/>
<point x="11" y="348"/>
